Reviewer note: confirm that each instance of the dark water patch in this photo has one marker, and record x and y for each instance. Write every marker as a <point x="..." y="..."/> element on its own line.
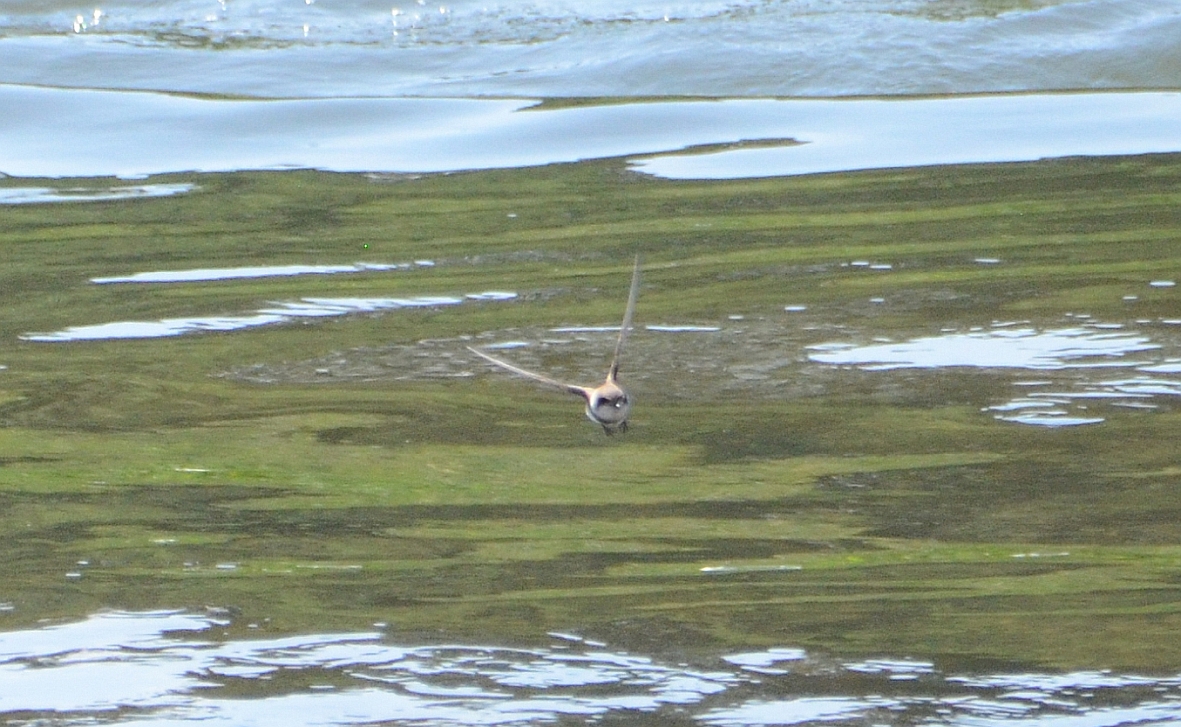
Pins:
<point x="1020" y="501"/>
<point x="345" y="435"/>
<point x="144" y="500"/>
<point x="224" y="503"/>
<point x="26" y="459"/>
<point x="921" y="575"/>
<point x="202" y="526"/>
<point x="766" y="438"/>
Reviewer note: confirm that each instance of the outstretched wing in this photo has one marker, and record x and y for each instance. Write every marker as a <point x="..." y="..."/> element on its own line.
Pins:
<point x="572" y="388"/>
<point x="624" y="329"/>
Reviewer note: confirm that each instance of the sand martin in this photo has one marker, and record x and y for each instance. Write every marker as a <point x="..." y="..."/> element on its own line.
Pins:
<point x="606" y="404"/>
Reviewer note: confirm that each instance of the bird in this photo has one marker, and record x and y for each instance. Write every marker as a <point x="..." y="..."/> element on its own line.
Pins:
<point x="607" y="404"/>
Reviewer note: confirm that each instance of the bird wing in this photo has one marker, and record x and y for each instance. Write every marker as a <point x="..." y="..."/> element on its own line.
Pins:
<point x="572" y="388"/>
<point x="624" y="329"/>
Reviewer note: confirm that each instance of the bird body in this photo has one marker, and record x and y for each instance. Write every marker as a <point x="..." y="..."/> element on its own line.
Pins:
<point x="607" y="404"/>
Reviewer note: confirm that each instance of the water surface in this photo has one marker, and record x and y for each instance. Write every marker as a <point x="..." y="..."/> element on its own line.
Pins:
<point x="132" y="135"/>
<point x="42" y="195"/>
<point x="562" y="48"/>
<point x="265" y="271"/>
<point x="279" y="313"/>
<point x="902" y="450"/>
<point x="248" y="479"/>
<point x="174" y="668"/>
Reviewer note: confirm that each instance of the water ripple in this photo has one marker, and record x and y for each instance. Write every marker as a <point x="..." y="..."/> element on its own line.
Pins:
<point x="278" y="313"/>
<point x="593" y="47"/>
<point x="169" y="668"/>
<point x="1081" y="350"/>
<point x="1026" y="348"/>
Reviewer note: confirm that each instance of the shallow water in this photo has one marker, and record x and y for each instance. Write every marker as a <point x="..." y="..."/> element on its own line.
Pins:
<point x="561" y="48"/>
<point x="133" y="135"/>
<point x="280" y="313"/>
<point x="191" y="276"/>
<point x="744" y="357"/>
<point x="408" y="87"/>
<point x="42" y="195"/>
<point x="1002" y="346"/>
<point x="901" y="449"/>
<point x="163" y="668"/>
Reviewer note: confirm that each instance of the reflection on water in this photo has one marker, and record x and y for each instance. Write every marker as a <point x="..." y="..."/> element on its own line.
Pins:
<point x="880" y="133"/>
<point x="165" y="667"/>
<point x="998" y="347"/>
<point x="261" y="271"/>
<point x="1049" y="412"/>
<point x="682" y="329"/>
<point x="129" y="134"/>
<point x="1079" y="349"/>
<point x="280" y="313"/>
<point x="1049" y="408"/>
<point x="41" y="195"/>
<point x="591" y="47"/>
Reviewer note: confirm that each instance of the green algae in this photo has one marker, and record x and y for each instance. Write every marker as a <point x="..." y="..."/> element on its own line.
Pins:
<point x="307" y="476"/>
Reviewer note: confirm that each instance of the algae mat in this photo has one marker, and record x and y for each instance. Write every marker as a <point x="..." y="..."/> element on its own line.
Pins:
<point x="918" y="412"/>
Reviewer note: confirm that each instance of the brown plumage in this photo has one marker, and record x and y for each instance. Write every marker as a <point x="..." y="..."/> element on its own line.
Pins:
<point x="606" y="404"/>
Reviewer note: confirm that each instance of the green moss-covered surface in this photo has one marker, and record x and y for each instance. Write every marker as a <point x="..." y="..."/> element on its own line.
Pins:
<point x="332" y="472"/>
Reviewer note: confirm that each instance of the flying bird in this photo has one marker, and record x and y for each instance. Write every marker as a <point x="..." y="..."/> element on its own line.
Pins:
<point x="607" y="404"/>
